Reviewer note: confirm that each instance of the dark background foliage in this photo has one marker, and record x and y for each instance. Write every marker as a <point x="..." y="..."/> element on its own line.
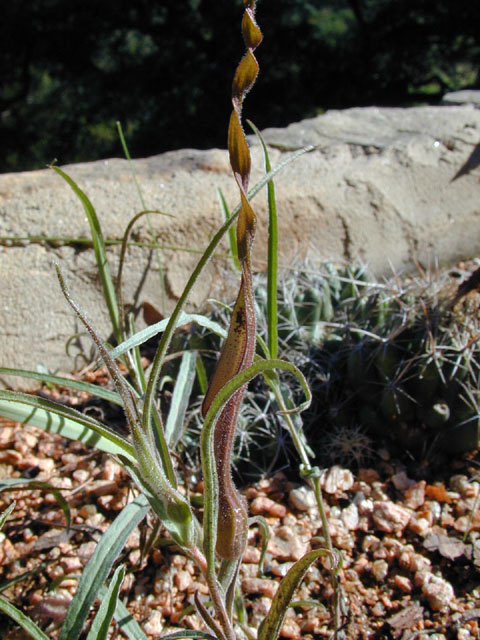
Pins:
<point x="163" y="68"/>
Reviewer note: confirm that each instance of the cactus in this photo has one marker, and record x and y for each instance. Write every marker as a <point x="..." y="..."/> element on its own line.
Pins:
<point x="387" y="362"/>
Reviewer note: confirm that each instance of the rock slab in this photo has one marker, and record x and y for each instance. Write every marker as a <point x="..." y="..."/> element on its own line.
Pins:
<point x="388" y="187"/>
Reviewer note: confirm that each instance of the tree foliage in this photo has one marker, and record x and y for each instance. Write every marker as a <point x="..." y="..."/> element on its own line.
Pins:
<point x="70" y="70"/>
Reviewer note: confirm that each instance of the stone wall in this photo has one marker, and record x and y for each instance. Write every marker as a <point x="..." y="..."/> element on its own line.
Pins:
<point x="384" y="186"/>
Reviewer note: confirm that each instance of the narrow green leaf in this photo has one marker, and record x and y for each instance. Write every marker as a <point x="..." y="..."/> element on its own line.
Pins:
<point x="67" y="422"/>
<point x="100" y="254"/>
<point x="272" y="270"/>
<point x="232" y="236"/>
<point x="272" y="623"/>
<point x="181" y="395"/>
<point x="123" y="252"/>
<point x="22" y="620"/>
<point x="188" y="634"/>
<point x="10" y="483"/>
<point x="201" y="374"/>
<point x="9" y="583"/>
<point x="159" y="327"/>
<point x="68" y="383"/>
<point x="100" y="564"/>
<point x="4" y="515"/>
<point x="103" y="619"/>
<point x="124" y="618"/>
<point x="265" y="532"/>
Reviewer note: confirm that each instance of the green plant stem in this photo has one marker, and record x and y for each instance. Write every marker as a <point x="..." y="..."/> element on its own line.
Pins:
<point x="313" y="480"/>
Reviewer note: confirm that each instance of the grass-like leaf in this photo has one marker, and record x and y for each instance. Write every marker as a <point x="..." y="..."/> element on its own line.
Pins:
<point x="188" y="634"/>
<point x="100" y="564"/>
<point x="124" y="619"/>
<point x="67" y="383"/>
<point x="7" y="484"/>
<point x="67" y="422"/>
<point x="103" y="619"/>
<point x="100" y="254"/>
<point x="22" y="620"/>
<point x="232" y="236"/>
<point x="181" y="394"/>
<point x="272" y="270"/>
<point x="4" y="515"/>
<point x="23" y="576"/>
<point x="272" y="623"/>
<point x="159" y="327"/>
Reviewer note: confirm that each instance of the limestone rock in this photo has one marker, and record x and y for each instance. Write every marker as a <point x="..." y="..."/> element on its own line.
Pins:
<point x="386" y="187"/>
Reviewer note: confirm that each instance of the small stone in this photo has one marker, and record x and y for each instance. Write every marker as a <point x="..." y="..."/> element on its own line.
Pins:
<point x="71" y="564"/>
<point x="87" y="510"/>
<point x="266" y="506"/>
<point x="370" y="543"/>
<point x="259" y="585"/>
<point x="337" y="479"/>
<point x="80" y="476"/>
<point x="415" y="495"/>
<point x="54" y="606"/>
<point x="350" y="517"/>
<point x="420" y="526"/>
<point x="183" y="580"/>
<point x="302" y="498"/>
<point x="251" y="555"/>
<point x="10" y="456"/>
<point x="154" y="625"/>
<point x="390" y="517"/>
<point x="290" y="629"/>
<point x="6" y="437"/>
<point x="287" y="544"/>
<point x="379" y="570"/>
<point x="401" y="481"/>
<point x="280" y="569"/>
<point x="378" y="610"/>
<point x="8" y="552"/>
<point x="438" y="592"/>
<point x="460" y="483"/>
<point x="403" y="583"/>
<point x="365" y="506"/>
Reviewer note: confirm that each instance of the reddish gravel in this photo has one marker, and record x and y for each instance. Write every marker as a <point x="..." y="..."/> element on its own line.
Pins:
<point x="410" y="548"/>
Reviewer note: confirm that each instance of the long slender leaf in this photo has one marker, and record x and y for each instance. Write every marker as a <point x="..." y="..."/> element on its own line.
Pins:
<point x="11" y="483"/>
<point x="68" y="383"/>
<point x="125" y="620"/>
<point x="4" y="515"/>
<point x="180" y="397"/>
<point x="99" y="565"/>
<point x="188" y="634"/>
<point x="103" y="619"/>
<point x="22" y="620"/>
<point x="272" y="623"/>
<point x="100" y="254"/>
<point x="272" y="271"/>
<point x="67" y="422"/>
<point x="9" y="583"/>
<point x="232" y="236"/>
<point x="154" y="329"/>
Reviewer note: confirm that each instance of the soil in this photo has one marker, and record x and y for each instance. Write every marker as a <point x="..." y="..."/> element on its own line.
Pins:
<point x="410" y="547"/>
